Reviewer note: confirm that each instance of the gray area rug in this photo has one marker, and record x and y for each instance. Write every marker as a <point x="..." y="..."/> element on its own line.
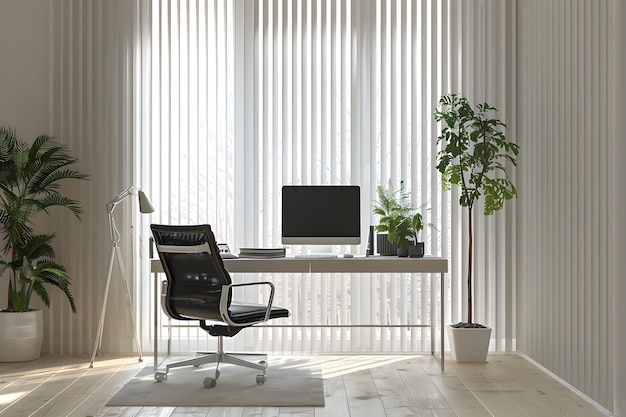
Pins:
<point x="291" y="382"/>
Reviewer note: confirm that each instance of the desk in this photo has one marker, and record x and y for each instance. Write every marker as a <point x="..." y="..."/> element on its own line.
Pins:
<point x="373" y="264"/>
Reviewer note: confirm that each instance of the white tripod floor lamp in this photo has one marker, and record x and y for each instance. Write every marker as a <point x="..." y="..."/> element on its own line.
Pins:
<point x="144" y="207"/>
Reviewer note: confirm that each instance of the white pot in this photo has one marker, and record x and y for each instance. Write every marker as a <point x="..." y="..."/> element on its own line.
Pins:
<point x="21" y="335"/>
<point x="469" y="345"/>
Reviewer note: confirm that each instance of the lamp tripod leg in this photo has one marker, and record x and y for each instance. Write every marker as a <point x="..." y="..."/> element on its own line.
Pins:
<point x="130" y="301"/>
<point x="98" y="342"/>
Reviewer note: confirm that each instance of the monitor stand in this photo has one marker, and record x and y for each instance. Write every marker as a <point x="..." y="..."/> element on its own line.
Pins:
<point x="318" y="251"/>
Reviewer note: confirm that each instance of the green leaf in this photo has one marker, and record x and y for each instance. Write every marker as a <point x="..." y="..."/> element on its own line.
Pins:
<point x="473" y="150"/>
<point x="32" y="176"/>
<point x="474" y="154"/>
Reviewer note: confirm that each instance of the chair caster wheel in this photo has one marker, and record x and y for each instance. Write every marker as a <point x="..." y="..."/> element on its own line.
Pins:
<point x="210" y="382"/>
<point x="160" y="377"/>
<point x="260" y="379"/>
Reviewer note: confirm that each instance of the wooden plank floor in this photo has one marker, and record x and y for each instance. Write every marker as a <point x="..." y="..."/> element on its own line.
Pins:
<point x="356" y="386"/>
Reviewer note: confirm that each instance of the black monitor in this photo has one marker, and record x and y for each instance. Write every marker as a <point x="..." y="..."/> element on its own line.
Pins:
<point x="321" y="215"/>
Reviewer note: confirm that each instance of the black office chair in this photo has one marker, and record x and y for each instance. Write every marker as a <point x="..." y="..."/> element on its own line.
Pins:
<point x="198" y="287"/>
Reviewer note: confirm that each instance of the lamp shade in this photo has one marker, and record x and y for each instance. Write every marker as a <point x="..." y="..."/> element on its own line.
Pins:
<point x="145" y="206"/>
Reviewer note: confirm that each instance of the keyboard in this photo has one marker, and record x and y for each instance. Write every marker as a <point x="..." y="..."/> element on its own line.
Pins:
<point x="316" y="256"/>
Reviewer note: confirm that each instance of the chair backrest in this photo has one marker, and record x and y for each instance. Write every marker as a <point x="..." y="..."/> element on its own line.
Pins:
<point x="194" y="269"/>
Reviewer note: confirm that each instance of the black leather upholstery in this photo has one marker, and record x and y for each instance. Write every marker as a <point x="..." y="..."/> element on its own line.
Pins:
<point x="198" y="287"/>
<point x="195" y="281"/>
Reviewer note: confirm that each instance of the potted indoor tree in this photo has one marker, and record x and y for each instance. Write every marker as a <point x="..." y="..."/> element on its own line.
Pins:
<point x="30" y="177"/>
<point x="474" y="155"/>
<point x="399" y="223"/>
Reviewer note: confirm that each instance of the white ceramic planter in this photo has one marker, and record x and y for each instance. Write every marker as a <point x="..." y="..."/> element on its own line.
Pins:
<point x="21" y="335"/>
<point x="469" y="345"/>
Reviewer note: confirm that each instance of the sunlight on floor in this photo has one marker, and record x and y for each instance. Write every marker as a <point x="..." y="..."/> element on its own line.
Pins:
<point x="335" y="366"/>
<point x="9" y="398"/>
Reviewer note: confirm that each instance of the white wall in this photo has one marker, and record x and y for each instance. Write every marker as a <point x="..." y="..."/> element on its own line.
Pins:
<point x="567" y="126"/>
<point x="24" y="74"/>
<point x="24" y="67"/>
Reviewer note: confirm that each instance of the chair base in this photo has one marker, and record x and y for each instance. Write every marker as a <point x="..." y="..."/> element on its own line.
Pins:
<point x="218" y="357"/>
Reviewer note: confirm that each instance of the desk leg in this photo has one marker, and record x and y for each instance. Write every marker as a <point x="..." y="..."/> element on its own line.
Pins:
<point x="433" y="313"/>
<point x="156" y="321"/>
<point x="442" y="289"/>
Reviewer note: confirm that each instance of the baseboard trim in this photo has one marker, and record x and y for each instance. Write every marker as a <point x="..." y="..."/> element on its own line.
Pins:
<point x="567" y="384"/>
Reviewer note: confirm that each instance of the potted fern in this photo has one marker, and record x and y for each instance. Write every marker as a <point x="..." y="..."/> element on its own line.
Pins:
<point x="399" y="223"/>
<point x="474" y="155"/>
<point x="30" y="177"/>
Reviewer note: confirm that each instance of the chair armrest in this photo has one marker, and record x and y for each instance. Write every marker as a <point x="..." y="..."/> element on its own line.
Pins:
<point x="224" y="301"/>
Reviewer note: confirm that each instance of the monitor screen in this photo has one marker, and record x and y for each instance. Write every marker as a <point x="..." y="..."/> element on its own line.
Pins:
<point x="321" y="215"/>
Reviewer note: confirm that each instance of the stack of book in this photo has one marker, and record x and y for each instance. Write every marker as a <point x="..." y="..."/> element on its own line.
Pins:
<point x="262" y="252"/>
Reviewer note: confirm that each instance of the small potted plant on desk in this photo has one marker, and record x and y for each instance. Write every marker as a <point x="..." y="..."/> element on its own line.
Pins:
<point x="29" y="182"/>
<point x="474" y="155"/>
<point x="399" y="223"/>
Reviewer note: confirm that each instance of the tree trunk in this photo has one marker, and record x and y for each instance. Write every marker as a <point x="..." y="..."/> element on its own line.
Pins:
<point x="469" y="268"/>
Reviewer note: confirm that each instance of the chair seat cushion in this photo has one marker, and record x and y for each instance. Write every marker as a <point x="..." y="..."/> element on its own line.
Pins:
<point x="241" y="313"/>
<point x="245" y="312"/>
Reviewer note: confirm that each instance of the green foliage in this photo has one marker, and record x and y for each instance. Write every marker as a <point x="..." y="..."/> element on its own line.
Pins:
<point x="33" y="267"/>
<point x="397" y="217"/>
<point x="474" y="152"/>
<point x="30" y="180"/>
<point x="474" y="155"/>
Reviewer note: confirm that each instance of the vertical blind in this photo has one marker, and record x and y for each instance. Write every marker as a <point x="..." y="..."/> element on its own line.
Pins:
<point x="247" y="96"/>
<point x="569" y="120"/>
<point x="93" y="108"/>
<point x="212" y="105"/>
<point x="142" y="91"/>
